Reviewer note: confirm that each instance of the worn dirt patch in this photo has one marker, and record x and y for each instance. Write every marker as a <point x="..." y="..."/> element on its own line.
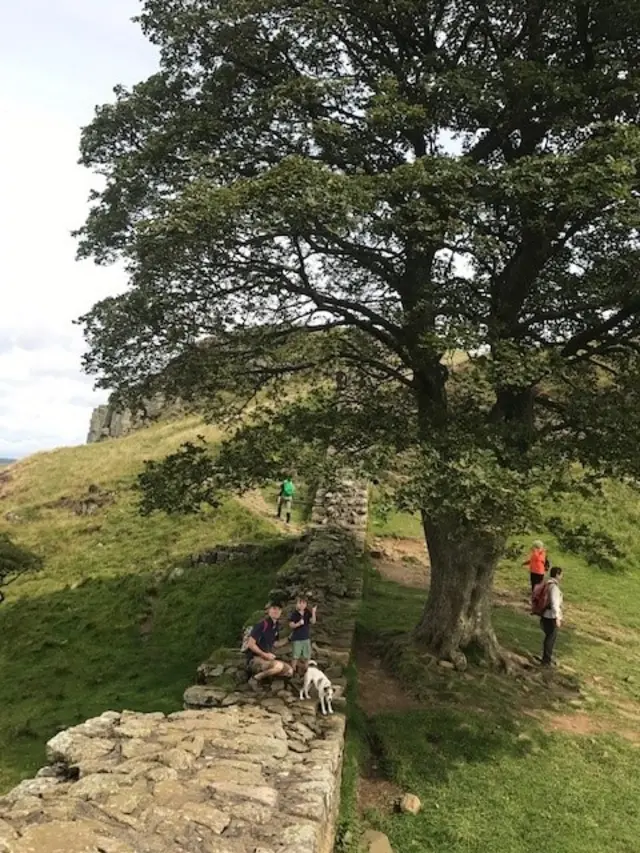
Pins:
<point x="404" y="561"/>
<point x="582" y="724"/>
<point x="377" y="794"/>
<point x="256" y="502"/>
<point x="512" y="598"/>
<point x="378" y="691"/>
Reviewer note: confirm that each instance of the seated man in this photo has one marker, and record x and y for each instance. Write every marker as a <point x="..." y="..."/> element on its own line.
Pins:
<point x="261" y="660"/>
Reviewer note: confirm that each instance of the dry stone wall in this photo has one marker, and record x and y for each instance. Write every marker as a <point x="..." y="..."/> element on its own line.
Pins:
<point x="202" y="781"/>
<point x="327" y="570"/>
<point x="235" y="772"/>
<point x="345" y="505"/>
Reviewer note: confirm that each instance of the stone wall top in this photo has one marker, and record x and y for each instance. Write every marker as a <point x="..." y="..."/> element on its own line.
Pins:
<point x="229" y="781"/>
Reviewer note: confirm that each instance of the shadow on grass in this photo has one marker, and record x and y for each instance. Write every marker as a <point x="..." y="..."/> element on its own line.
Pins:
<point x="125" y="642"/>
<point x="389" y="612"/>
<point x="481" y="782"/>
<point x="473" y="715"/>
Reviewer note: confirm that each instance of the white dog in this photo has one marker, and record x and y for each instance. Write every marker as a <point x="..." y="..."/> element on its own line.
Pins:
<point x="317" y="678"/>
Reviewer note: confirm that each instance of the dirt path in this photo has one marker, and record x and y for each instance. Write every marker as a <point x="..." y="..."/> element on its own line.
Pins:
<point x="255" y="501"/>
<point x="378" y="690"/>
<point x="404" y="561"/>
<point x="581" y="723"/>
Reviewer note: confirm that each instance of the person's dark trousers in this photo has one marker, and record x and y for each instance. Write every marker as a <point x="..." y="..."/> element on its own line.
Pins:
<point x="550" y="628"/>
<point x="535" y="580"/>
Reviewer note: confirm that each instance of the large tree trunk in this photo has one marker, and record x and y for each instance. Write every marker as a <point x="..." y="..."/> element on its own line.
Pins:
<point x="457" y="615"/>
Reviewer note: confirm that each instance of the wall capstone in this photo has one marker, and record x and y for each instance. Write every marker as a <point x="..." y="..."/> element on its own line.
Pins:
<point x="213" y="782"/>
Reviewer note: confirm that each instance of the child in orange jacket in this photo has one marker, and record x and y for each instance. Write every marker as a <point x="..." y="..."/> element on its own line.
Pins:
<point x="537" y="563"/>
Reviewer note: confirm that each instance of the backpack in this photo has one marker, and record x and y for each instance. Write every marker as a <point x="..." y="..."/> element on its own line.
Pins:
<point x="244" y="645"/>
<point x="540" y="598"/>
<point x="286" y="489"/>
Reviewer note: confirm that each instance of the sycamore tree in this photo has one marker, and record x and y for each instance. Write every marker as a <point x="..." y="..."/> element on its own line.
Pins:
<point x="337" y="196"/>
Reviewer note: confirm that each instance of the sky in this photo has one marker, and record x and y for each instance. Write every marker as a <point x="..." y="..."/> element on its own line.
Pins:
<point x="58" y="60"/>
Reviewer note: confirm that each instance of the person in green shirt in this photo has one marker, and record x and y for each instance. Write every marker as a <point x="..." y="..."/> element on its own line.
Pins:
<point x="285" y="498"/>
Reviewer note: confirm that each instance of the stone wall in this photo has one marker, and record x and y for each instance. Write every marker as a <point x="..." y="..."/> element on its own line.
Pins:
<point x="235" y="772"/>
<point x="193" y="782"/>
<point x="344" y="505"/>
<point x="327" y="570"/>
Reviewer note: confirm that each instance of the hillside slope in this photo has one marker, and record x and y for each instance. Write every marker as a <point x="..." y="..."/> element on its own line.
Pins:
<point x="101" y="626"/>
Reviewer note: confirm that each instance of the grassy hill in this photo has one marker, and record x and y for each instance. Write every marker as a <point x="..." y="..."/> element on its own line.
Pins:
<point x="97" y="628"/>
<point x="512" y="764"/>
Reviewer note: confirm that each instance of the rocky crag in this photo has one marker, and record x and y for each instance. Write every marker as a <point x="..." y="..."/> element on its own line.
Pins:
<point x="113" y="421"/>
<point x="235" y="772"/>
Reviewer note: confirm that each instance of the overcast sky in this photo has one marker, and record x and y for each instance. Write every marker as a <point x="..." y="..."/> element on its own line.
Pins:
<point x="58" y="59"/>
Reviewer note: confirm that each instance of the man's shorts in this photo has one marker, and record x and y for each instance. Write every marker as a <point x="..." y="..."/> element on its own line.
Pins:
<point x="256" y="665"/>
<point x="301" y="650"/>
<point x="285" y="503"/>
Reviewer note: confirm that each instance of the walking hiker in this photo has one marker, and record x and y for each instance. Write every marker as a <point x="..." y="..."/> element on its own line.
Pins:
<point x="262" y="662"/>
<point x="537" y="563"/>
<point x="300" y="622"/>
<point x="547" y="602"/>
<point x="285" y="498"/>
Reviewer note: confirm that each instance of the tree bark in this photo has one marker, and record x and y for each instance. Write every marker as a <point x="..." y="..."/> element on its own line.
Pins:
<point x="456" y="619"/>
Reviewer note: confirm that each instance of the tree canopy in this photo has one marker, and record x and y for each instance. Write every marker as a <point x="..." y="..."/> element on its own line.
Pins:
<point x="314" y="190"/>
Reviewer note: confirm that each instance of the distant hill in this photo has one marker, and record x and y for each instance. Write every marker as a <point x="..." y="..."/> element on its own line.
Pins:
<point x="6" y="461"/>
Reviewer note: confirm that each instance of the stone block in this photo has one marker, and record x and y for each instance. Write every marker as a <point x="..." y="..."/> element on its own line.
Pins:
<point x="376" y="842"/>
<point x="203" y="696"/>
<point x="72" y="747"/>
<point x="410" y="804"/>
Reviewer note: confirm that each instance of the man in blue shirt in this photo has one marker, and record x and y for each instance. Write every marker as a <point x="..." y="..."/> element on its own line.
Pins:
<point x="261" y="659"/>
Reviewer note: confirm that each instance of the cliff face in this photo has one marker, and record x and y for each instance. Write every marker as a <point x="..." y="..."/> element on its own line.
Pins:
<point x="110" y="421"/>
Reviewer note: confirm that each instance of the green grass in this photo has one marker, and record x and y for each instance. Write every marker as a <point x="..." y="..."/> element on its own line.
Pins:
<point x="356" y="756"/>
<point x="97" y="628"/>
<point x="116" y="540"/>
<point x="485" y="785"/>
<point x="479" y="751"/>
<point x="113" y="643"/>
<point x="389" y="522"/>
<point x="396" y="524"/>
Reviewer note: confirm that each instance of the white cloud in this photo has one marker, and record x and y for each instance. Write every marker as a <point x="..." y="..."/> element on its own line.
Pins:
<point x="57" y="60"/>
